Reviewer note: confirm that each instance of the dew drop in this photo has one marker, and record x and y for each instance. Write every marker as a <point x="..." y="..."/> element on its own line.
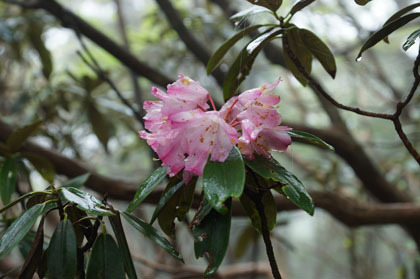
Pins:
<point x="358" y="59"/>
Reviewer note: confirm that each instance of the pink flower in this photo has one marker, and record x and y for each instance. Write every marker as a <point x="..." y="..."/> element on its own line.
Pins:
<point x="185" y="135"/>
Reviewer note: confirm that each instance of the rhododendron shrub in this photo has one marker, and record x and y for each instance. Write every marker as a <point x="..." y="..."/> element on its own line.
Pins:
<point x="229" y="149"/>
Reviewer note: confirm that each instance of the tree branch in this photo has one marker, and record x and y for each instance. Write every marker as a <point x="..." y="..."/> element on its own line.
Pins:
<point x="199" y="50"/>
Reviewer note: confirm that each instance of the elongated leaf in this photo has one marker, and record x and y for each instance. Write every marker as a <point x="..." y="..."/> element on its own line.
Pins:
<point x="251" y="11"/>
<point x="293" y="188"/>
<point x="151" y="233"/>
<point x="77" y="182"/>
<point x="34" y="257"/>
<point x="98" y="123"/>
<point x="42" y="165"/>
<point x="270" y="210"/>
<point x="146" y="188"/>
<point x="212" y="237"/>
<point x="401" y="12"/>
<point x="177" y="206"/>
<point x="62" y="252"/>
<point x="269" y="4"/>
<point x="309" y="138"/>
<point x="84" y="201"/>
<point x="385" y="31"/>
<point x="299" y="5"/>
<point x="298" y="51"/>
<point x="224" y="180"/>
<point x="19" y="228"/>
<point x="411" y="39"/>
<point x="105" y="260"/>
<point x="243" y="63"/>
<point x="17" y="138"/>
<point x="21" y="198"/>
<point x="8" y="178"/>
<point x="167" y="195"/>
<point x="217" y="57"/>
<point x="320" y="50"/>
<point x="122" y="245"/>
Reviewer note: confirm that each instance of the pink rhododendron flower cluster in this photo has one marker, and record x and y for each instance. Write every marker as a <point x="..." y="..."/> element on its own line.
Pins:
<point x="184" y="133"/>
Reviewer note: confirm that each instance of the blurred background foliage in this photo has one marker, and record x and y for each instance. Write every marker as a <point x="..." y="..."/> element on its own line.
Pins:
<point x="42" y="77"/>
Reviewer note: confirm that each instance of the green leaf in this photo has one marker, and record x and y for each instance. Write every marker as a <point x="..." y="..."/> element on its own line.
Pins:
<point x="224" y="180"/>
<point x="122" y="245"/>
<point x="320" y="50"/>
<point x="34" y="34"/>
<point x="62" y="252"/>
<point x="177" y="206"/>
<point x="146" y="188"/>
<point x="309" y="138"/>
<point x="270" y="210"/>
<point x="362" y="2"/>
<point x="244" y="61"/>
<point x="248" y="12"/>
<point x="99" y="124"/>
<point x="150" y="232"/>
<point x="293" y="188"/>
<point x="212" y="237"/>
<point x="19" y="228"/>
<point x="411" y="39"/>
<point x="385" y="31"/>
<point x="104" y="261"/>
<point x="77" y="182"/>
<point x="300" y="52"/>
<point x="299" y="5"/>
<point x="16" y="140"/>
<point x="170" y="191"/>
<point x="42" y="165"/>
<point x="402" y="12"/>
<point x="247" y="237"/>
<point x="217" y="57"/>
<point x="34" y="257"/>
<point x="84" y="201"/>
<point x="8" y="178"/>
<point x="21" y="198"/>
<point x="273" y="5"/>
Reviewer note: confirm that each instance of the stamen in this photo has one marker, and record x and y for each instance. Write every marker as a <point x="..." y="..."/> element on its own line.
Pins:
<point x="211" y="101"/>
<point x="233" y="120"/>
<point x="236" y="123"/>
<point x="200" y="107"/>
<point x="230" y="109"/>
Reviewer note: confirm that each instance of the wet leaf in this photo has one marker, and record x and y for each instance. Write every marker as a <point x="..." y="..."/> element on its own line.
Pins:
<point x="291" y="185"/>
<point x="146" y="188"/>
<point x="105" y="260"/>
<point x="217" y="57"/>
<point x="300" y="52"/>
<point x="385" y="31"/>
<point x="122" y="245"/>
<point x="320" y="50"/>
<point x="8" y="178"/>
<point x="151" y="233"/>
<point x="62" y="252"/>
<point x="19" y="228"/>
<point x="309" y="138"/>
<point x="212" y="237"/>
<point x="273" y="5"/>
<point x="248" y="12"/>
<point x="299" y="5"/>
<point x="411" y="39"/>
<point x="224" y="180"/>
<point x="84" y="201"/>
